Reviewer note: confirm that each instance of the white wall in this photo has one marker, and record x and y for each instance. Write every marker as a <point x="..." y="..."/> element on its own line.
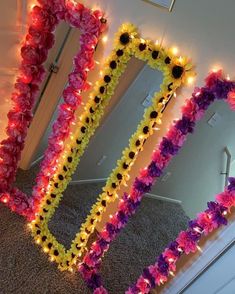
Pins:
<point x="196" y="169"/>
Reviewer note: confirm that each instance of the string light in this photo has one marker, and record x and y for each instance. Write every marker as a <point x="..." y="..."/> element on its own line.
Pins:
<point x="105" y="39"/>
<point x="174" y="50"/>
<point x="190" y="80"/>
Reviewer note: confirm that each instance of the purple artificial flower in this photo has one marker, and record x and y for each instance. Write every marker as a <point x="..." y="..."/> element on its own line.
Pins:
<point x="173" y="246"/>
<point x="221" y="88"/>
<point x="154" y="170"/>
<point x="168" y="148"/>
<point x="102" y="243"/>
<point x="185" y="125"/>
<point x="147" y="275"/>
<point x="193" y="235"/>
<point x="231" y="186"/>
<point x="216" y="210"/>
<point x="195" y="227"/>
<point x="204" y="99"/>
<point x="122" y="217"/>
<point x="141" y="187"/>
<point x="163" y="265"/>
<point x="111" y="229"/>
<point x="94" y="282"/>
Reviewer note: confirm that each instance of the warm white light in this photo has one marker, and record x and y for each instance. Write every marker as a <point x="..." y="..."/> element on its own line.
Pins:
<point x="175" y="50"/>
<point x="105" y="39"/>
<point x="190" y="80"/>
<point x="215" y="68"/>
<point x="38" y="241"/>
<point x="180" y="59"/>
<point x="172" y="274"/>
<point x="45" y="249"/>
<point x="225" y="213"/>
<point x="157" y="42"/>
<point x="228" y="78"/>
<point x="199" y="248"/>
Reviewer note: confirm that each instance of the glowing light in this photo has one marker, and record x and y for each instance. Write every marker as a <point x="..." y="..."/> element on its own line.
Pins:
<point x="180" y="59"/>
<point x="225" y="213"/>
<point x="171" y="259"/>
<point x="38" y="241"/>
<point x="45" y="249"/>
<point x="175" y="50"/>
<point x="228" y="78"/>
<point x="142" y="40"/>
<point x="105" y="39"/>
<point x="157" y="42"/>
<point x="172" y="274"/>
<point x="199" y="248"/>
<point x="198" y="93"/>
<point x="197" y="230"/>
<point x="215" y="69"/>
<point x="190" y="80"/>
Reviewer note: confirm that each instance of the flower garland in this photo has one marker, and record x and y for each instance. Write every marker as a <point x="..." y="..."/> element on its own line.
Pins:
<point x="216" y="88"/>
<point x="175" y="71"/>
<point x="186" y="242"/>
<point x="40" y="38"/>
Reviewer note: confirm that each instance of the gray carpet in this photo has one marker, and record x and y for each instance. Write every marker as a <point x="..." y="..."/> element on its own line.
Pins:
<point x="25" y="269"/>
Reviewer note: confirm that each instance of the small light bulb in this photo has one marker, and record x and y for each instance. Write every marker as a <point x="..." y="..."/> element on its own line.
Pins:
<point x="157" y="42"/>
<point x="180" y="59"/>
<point x="190" y="80"/>
<point x="105" y="39"/>
<point x="175" y="50"/>
<point x="199" y="248"/>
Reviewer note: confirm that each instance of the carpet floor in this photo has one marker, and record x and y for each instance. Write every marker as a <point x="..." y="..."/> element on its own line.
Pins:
<point x="25" y="269"/>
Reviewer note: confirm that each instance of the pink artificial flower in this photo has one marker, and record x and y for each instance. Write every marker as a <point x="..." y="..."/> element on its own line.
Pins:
<point x="88" y="41"/>
<point x="176" y="136"/>
<point x="96" y="248"/>
<point x="210" y="80"/>
<point x="84" y="60"/>
<point x="204" y="220"/>
<point x="56" y="6"/>
<point x="160" y="160"/>
<point x="23" y="88"/>
<point x="90" y="23"/>
<point x="186" y="243"/>
<point x="231" y="99"/>
<point x="144" y="177"/>
<point x="42" y="19"/>
<point x="73" y="14"/>
<point x="32" y="73"/>
<point x="105" y="235"/>
<point x="100" y="290"/>
<point x="159" y="279"/>
<point x="78" y="80"/>
<point x="19" y="202"/>
<point x="33" y="55"/>
<point x="192" y="110"/>
<point x="227" y="199"/>
<point x="143" y="285"/>
<point x="39" y="38"/>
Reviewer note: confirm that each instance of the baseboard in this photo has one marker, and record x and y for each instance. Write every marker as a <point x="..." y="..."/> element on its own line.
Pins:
<point x="88" y="181"/>
<point x="162" y="198"/>
<point x="36" y="161"/>
<point x="149" y="195"/>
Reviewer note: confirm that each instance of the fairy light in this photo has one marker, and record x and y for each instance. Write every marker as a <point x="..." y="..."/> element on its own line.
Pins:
<point x="190" y="80"/>
<point x="174" y="50"/>
<point x="180" y="59"/>
<point x="225" y="213"/>
<point x="199" y="248"/>
<point x="197" y="230"/>
<point x="157" y="42"/>
<point x="105" y="39"/>
<point x="228" y="78"/>
<point x="38" y="241"/>
<point x="171" y="273"/>
<point x="45" y="249"/>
